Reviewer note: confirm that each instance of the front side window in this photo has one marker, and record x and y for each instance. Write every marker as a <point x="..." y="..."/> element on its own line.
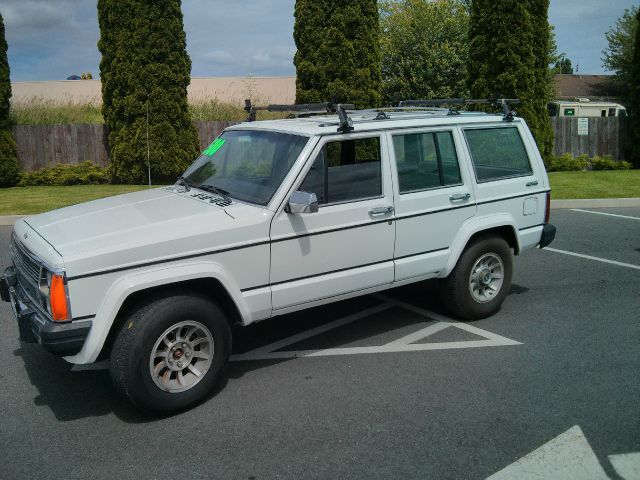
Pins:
<point x="346" y="170"/>
<point x="426" y="160"/>
<point x="497" y="153"/>
<point x="248" y="165"/>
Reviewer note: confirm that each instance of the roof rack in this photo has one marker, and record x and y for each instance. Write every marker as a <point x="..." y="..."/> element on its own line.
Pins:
<point x="305" y="110"/>
<point x="504" y="103"/>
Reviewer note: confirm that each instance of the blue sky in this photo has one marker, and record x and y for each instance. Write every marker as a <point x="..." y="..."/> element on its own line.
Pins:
<point x="52" y="39"/>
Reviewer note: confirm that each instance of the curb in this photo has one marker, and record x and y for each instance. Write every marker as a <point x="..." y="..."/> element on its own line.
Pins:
<point x="9" y="220"/>
<point x="595" y="203"/>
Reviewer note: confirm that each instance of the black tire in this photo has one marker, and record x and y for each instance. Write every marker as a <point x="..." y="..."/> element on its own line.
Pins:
<point x="455" y="290"/>
<point x="131" y="354"/>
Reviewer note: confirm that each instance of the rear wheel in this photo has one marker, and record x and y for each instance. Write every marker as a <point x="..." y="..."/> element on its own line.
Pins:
<point x="170" y="353"/>
<point x="481" y="279"/>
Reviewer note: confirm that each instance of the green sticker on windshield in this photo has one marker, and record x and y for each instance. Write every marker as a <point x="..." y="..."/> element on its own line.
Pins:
<point x="211" y="150"/>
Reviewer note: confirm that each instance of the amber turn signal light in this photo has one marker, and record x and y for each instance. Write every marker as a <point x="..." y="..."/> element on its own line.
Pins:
<point x="58" y="299"/>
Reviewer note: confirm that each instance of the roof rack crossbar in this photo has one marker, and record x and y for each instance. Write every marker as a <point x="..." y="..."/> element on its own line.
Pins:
<point x="302" y="109"/>
<point x="504" y="103"/>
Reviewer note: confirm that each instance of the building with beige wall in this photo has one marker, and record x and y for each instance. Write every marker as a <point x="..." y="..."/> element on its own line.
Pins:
<point x="261" y="90"/>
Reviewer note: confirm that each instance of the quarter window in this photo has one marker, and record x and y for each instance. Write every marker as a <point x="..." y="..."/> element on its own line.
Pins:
<point x="497" y="153"/>
<point x="346" y="170"/>
<point x="426" y="160"/>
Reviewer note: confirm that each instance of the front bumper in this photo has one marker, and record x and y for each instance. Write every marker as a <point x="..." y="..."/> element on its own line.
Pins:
<point x="60" y="338"/>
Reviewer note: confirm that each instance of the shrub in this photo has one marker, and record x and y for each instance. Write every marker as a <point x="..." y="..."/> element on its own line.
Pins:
<point x="567" y="163"/>
<point x="85" y="173"/>
<point x="608" y="163"/>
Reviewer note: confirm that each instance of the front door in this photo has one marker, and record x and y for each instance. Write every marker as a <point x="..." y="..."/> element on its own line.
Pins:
<point x="347" y="246"/>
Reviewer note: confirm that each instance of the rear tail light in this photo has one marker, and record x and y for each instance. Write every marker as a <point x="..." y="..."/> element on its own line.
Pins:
<point x="547" y="211"/>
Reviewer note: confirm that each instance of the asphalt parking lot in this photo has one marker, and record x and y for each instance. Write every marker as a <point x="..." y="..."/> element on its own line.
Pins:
<point x="384" y="386"/>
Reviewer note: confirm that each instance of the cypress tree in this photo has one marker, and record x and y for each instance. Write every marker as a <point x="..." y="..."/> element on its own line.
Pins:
<point x="509" y="50"/>
<point x="543" y="86"/>
<point x="338" y="51"/>
<point x="9" y="166"/>
<point x="145" y="71"/>
<point x="633" y="143"/>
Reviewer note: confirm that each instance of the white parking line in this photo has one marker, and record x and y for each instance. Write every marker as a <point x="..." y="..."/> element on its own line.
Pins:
<point x="604" y="213"/>
<point x="589" y="257"/>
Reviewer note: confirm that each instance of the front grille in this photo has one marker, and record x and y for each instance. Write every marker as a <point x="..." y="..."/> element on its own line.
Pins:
<point x="29" y="270"/>
<point x="25" y="262"/>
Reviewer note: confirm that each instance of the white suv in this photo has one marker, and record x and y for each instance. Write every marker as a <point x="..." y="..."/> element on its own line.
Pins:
<point x="274" y="217"/>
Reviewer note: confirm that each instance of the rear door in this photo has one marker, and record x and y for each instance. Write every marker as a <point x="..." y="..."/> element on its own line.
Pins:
<point x="433" y="198"/>
<point x="509" y="173"/>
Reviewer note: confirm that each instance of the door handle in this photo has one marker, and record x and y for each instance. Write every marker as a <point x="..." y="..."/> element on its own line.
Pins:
<point x="532" y="184"/>
<point x="456" y="197"/>
<point x="380" y="211"/>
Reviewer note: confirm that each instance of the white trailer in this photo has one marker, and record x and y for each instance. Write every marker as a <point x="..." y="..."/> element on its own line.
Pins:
<point x="583" y="107"/>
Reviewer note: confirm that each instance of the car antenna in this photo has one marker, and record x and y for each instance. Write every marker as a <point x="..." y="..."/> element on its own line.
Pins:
<point x="148" y="149"/>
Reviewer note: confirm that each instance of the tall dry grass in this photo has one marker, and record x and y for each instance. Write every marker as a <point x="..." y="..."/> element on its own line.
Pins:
<point x="37" y="111"/>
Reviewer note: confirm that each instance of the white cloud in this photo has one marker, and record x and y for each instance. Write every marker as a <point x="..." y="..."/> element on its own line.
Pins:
<point x="51" y="39"/>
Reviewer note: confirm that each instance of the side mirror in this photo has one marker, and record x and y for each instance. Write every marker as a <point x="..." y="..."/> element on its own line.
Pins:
<point x="302" y="202"/>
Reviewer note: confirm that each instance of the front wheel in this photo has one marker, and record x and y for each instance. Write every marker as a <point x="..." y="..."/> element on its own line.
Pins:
<point x="170" y="353"/>
<point x="481" y="279"/>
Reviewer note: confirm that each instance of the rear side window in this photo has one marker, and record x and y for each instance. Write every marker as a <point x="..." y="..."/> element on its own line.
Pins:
<point x="425" y="161"/>
<point x="497" y="153"/>
<point x="346" y="170"/>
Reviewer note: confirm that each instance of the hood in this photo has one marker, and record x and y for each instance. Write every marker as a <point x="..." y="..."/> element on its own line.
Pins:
<point x="144" y="226"/>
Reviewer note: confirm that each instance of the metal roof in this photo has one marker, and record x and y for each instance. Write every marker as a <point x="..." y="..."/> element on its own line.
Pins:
<point x="366" y="121"/>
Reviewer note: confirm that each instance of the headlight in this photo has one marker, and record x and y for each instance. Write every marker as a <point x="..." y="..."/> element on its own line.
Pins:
<point x="55" y="295"/>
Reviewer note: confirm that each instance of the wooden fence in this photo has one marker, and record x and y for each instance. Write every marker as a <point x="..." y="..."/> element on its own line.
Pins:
<point x="42" y="146"/>
<point x="603" y="136"/>
<point x="48" y="145"/>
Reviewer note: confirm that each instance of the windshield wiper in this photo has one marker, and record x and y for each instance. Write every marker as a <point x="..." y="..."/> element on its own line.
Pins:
<point x="217" y="190"/>
<point x="184" y="182"/>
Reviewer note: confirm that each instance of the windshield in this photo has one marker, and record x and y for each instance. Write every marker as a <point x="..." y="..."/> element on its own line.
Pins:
<point x="248" y="165"/>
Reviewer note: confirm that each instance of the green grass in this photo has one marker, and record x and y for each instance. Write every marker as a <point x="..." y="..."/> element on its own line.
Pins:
<point x="595" y="184"/>
<point x="30" y="200"/>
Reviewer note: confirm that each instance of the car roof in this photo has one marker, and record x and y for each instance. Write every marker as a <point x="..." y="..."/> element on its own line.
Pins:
<point x="370" y="120"/>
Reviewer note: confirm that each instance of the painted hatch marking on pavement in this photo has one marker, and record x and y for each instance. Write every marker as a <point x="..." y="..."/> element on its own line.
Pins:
<point x="589" y="257"/>
<point x="569" y="456"/>
<point x="627" y="465"/>
<point x="605" y="213"/>
<point x="273" y="351"/>
<point x="403" y="344"/>
<point x="566" y="457"/>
